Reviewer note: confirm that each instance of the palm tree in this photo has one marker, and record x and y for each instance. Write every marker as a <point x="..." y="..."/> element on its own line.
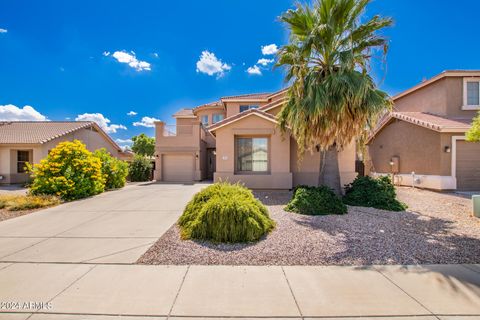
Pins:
<point x="332" y="97"/>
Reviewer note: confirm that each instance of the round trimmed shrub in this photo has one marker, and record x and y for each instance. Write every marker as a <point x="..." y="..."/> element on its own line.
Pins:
<point x="115" y="171"/>
<point x="376" y="193"/>
<point x="140" y="169"/>
<point x="225" y="212"/>
<point x="315" y="201"/>
<point x="69" y="171"/>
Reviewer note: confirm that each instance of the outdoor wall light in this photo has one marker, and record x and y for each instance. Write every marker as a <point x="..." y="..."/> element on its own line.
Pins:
<point x="447" y="149"/>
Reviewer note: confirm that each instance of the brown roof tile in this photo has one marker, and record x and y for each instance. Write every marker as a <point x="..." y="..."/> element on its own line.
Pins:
<point x="263" y="95"/>
<point x="434" y="122"/>
<point x="184" y="113"/>
<point x="427" y="120"/>
<point x="33" y="132"/>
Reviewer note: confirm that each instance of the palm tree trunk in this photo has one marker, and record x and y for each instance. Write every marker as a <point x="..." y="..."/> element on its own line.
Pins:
<point x="329" y="173"/>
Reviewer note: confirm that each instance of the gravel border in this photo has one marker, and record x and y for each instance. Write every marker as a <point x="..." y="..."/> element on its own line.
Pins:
<point x="436" y="229"/>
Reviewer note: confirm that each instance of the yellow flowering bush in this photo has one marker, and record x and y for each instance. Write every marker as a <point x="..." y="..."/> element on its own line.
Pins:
<point x="69" y="171"/>
<point x="114" y="171"/>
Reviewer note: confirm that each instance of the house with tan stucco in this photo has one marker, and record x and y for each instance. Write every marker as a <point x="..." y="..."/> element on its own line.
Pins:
<point x="237" y="138"/>
<point x="30" y="141"/>
<point x="423" y="140"/>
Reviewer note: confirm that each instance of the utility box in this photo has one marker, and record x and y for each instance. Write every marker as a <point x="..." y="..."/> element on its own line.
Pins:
<point x="476" y="205"/>
<point x="395" y="164"/>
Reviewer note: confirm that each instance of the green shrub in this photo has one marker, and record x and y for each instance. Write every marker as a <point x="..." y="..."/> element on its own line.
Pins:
<point x="21" y="202"/>
<point x="114" y="171"/>
<point x="315" y="201"/>
<point x="376" y="193"/>
<point x="69" y="171"/>
<point x="140" y="168"/>
<point x="225" y="212"/>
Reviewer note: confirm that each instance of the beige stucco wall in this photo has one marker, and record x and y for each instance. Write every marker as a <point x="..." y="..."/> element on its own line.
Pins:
<point x="306" y="169"/>
<point x="285" y="169"/>
<point x="210" y="112"/>
<point x="420" y="150"/>
<point x="443" y="97"/>
<point x="279" y="176"/>
<point x="233" y="108"/>
<point x="8" y="168"/>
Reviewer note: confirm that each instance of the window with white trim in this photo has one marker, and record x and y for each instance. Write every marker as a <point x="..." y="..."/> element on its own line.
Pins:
<point x="471" y="94"/>
<point x="251" y="154"/>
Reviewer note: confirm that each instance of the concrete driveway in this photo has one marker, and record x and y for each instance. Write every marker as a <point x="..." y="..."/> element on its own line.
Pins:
<point x="114" y="227"/>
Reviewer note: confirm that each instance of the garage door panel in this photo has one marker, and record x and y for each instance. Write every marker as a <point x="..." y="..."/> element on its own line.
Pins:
<point x="468" y="166"/>
<point x="178" y="167"/>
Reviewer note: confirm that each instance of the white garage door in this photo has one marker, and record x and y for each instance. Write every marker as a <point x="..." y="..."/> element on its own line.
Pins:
<point x="468" y="166"/>
<point x="178" y="167"/>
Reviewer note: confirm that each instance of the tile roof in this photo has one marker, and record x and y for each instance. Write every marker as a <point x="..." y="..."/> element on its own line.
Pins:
<point x="434" y="122"/>
<point x="184" y="113"/>
<point x="273" y="104"/>
<point x="239" y="116"/>
<point x="427" y="120"/>
<point x="262" y="96"/>
<point x="33" y="132"/>
<point x="210" y="104"/>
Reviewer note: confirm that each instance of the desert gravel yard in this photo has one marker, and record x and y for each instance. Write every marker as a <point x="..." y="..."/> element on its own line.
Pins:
<point x="436" y="228"/>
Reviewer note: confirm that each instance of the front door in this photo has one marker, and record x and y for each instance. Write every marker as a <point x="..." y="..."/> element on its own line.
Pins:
<point x="211" y="163"/>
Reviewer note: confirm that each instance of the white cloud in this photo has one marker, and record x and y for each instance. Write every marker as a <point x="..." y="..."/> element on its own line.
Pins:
<point x="128" y="141"/>
<point x="3" y="30"/>
<point x="264" y="62"/>
<point x="269" y="49"/>
<point x="131" y="60"/>
<point x="106" y="53"/>
<point x="155" y="55"/>
<point x="132" y="113"/>
<point x="146" y="122"/>
<point x="102" y="122"/>
<point x="211" y="65"/>
<point x="255" y="70"/>
<point x="10" y="112"/>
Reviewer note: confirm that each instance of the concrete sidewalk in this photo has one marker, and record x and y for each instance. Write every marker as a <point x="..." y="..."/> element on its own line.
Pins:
<point x="108" y="291"/>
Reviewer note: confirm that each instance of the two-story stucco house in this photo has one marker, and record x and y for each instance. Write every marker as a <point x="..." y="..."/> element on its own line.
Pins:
<point x="237" y="139"/>
<point x="425" y="134"/>
<point x="30" y="141"/>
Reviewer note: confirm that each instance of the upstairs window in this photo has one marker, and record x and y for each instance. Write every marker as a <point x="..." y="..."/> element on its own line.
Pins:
<point x="22" y="158"/>
<point x="204" y="120"/>
<point x="245" y="107"/>
<point x="217" y="117"/>
<point x="471" y="94"/>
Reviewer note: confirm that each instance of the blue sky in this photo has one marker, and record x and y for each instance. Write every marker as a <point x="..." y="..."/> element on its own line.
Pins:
<point x="68" y="58"/>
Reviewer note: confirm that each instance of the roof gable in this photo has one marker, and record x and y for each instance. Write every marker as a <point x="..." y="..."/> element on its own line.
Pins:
<point x="242" y="115"/>
<point x="425" y="120"/>
<point x="444" y="74"/>
<point x="40" y="132"/>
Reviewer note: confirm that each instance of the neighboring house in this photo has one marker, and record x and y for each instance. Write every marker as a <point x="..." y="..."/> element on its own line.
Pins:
<point x="30" y="141"/>
<point x="426" y="134"/>
<point x="238" y="139"/>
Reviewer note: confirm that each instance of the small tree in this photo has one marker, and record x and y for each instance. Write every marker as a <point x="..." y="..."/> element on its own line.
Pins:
<point x="473" y="135"/>
<point x="140" y="168"/>
<point x="115" y="171"/>
<point x="69" y="171"/>
<point x="143" y="145"/>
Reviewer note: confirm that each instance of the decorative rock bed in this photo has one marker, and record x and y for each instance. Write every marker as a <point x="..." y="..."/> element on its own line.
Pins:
<point x="437" y="228"/>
